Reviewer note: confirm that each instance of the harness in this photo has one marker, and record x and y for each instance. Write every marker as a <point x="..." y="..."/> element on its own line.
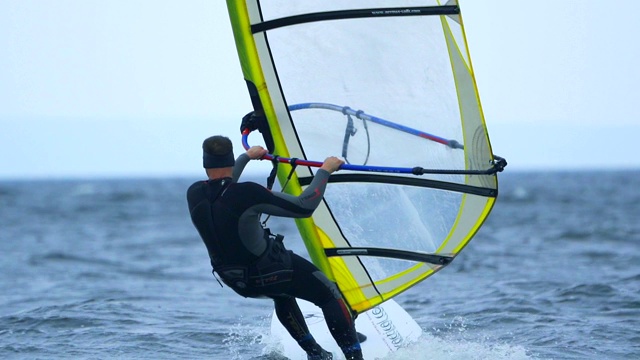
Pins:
<point x="272" y="267"/>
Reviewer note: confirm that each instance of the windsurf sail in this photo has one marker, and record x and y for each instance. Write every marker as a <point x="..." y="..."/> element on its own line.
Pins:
<point x="388" y="86"/>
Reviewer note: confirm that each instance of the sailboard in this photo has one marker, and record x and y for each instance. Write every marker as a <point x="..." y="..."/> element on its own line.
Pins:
<point x="385" y="329"/>
<point x="387" y="85"/>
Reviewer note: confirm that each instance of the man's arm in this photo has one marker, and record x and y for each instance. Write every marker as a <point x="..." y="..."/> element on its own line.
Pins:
<point x="254" y="152"/>
<point x="303" y="205"/>
<point x="241" y="162"/>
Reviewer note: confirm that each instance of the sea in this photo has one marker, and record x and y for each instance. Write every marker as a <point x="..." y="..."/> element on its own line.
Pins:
<point x="113" y="269"/>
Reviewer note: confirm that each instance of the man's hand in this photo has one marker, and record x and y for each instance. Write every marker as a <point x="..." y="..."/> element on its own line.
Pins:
<point x="256" y="152"/>
<point x="332" y="164"/>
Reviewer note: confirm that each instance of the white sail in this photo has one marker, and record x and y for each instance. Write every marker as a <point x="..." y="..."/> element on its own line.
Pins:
<point x="389" y="86"/>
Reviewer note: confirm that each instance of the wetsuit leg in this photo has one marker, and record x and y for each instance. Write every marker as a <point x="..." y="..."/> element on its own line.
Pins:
<point x="311" y="284"/>
<point x="291" y="318"/>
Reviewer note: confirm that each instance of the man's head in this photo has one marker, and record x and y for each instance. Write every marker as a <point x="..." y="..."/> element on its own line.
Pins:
<point x="217" y="152"/>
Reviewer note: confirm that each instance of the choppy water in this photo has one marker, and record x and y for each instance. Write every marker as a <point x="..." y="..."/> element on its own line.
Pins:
<point x="113" y="269"/>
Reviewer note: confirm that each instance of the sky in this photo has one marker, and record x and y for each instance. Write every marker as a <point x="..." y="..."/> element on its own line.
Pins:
<point x="92" y="88"/>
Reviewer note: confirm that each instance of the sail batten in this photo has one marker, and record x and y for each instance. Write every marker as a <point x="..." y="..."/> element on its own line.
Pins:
<point x="354" y="14"/>
<point x="390" y="253"/>
<point x="389" y="86"/>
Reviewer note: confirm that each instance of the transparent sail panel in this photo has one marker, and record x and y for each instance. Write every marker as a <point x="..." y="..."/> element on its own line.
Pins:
<point x="405" y="79"/>
<point x="380" y="268"/>
<point x="393" y="216"/>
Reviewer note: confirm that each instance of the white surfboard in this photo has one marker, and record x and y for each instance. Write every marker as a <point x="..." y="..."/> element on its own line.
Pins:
<point x="387" y="327"/>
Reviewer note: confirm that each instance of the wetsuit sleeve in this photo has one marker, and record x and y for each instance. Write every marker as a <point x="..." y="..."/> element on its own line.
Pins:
<point x="286" y="205"/>
<point x="241" y="162"/>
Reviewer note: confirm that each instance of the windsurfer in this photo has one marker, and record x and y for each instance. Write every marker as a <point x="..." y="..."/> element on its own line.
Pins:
<point x="254" y="262"/>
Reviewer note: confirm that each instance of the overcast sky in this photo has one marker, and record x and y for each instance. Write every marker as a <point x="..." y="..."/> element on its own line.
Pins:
<point x="131" y="87"/>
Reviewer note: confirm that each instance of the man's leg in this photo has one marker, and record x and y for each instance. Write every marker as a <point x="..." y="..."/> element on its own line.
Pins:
<point x="291" y="318"/>
<point x="273" y="277"/>
<point x="312" y="285"/>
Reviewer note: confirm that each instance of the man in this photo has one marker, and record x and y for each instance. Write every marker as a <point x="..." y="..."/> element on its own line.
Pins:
<point x="255" y="263"/>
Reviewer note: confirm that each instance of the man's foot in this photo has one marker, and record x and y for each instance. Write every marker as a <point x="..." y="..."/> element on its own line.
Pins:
<point x="354" y="353"/>
<point x="325" y="355"/>
<point x="361" y="337"/>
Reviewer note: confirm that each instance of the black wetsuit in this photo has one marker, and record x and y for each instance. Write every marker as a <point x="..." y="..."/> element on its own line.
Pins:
<point x="255" y="263"/>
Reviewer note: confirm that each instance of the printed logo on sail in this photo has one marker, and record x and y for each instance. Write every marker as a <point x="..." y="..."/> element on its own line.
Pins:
<point x="396" y="12"/>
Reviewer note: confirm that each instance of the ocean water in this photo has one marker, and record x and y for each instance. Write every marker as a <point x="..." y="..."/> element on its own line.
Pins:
<point x="113" y="269"/>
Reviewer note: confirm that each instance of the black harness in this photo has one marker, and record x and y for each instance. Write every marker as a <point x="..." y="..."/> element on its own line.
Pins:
<point x="272" y="267"/>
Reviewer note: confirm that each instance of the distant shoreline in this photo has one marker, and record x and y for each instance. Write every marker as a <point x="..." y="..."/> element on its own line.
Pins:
<point x="261" y="177"/>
